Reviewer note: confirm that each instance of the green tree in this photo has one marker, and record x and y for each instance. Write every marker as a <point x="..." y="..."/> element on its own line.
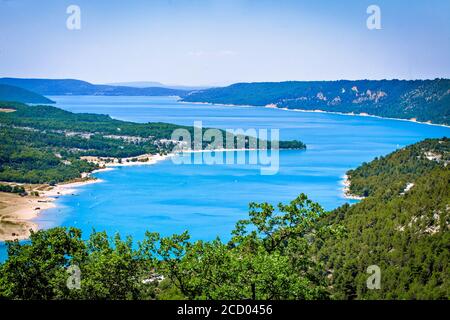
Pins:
<point x="267" y="258"/>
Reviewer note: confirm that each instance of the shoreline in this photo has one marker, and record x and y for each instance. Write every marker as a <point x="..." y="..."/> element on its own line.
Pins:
<point x="274" y="106"/>
<point x="108" y="163"/>
<point x="361" y="115"/>
<point x="346" y="189"/>
<point x="151" y="159"/>
<point x="17" y="212"/>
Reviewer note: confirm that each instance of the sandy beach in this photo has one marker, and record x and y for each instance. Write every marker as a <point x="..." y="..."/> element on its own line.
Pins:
<point x="17" y="212"/>
<point x="106" y="163"/>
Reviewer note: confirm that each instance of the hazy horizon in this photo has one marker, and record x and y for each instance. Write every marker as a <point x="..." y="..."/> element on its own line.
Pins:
<point x="217" y="43"/>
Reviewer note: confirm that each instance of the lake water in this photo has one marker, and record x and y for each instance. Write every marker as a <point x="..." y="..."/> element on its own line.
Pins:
<point x="207" y="200"/>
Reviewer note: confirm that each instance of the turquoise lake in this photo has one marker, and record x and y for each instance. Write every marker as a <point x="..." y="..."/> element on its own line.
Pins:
<point x="207" y="200"/>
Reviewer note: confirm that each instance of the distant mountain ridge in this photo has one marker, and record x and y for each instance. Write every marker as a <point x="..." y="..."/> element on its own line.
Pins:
<point x="13" y="93"/>
<point x="79" y="87"/>
<point x="423" y="100"/>
<point x="146" y="84"/>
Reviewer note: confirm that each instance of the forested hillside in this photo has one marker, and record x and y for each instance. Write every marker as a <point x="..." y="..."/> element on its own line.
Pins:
<point x="423" y="100"/>
<point x="402" y="227"/>
<point x="12" y="93"/>
<point x="292" y="251"/>
<point x="78" y="87"/>
<point x="400" y="168"/>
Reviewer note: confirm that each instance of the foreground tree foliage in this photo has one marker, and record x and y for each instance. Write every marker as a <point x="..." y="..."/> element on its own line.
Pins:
<point x="110" y="268"/>
<point x="268" y="257"/>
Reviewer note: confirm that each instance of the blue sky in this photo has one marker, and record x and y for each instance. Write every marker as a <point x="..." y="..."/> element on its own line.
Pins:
<point x="201" y="42"/>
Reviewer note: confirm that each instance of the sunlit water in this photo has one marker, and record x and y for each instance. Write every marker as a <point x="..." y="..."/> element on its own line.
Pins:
<point x="207" y="200"/>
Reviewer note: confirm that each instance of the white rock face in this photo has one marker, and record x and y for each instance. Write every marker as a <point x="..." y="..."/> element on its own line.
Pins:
<point x="407" y="188"/>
